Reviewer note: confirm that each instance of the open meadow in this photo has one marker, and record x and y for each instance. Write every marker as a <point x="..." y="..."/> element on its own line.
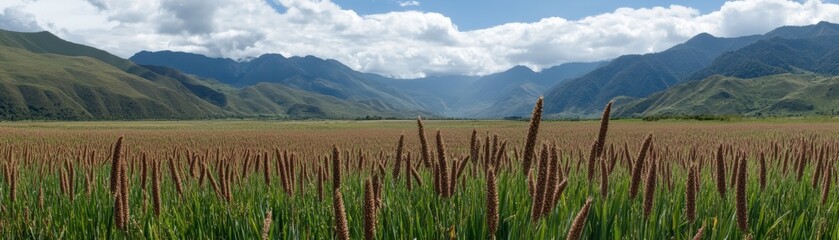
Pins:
<point x="419" y="120"/>
<point x="758" y="179"/>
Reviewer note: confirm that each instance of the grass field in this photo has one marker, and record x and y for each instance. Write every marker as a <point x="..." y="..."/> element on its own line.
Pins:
<point x="60" y="174"/>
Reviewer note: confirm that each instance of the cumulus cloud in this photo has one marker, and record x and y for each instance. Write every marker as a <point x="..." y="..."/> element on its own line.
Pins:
<point x="409" y="3"/>
<point x="188" y="16"/>
<point x="14" y="19"/>
<point x="401" y="44"/>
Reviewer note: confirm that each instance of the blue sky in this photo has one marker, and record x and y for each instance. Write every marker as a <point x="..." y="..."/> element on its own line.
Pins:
<point x="407" y="38"/>
<point x="477" y="14"/>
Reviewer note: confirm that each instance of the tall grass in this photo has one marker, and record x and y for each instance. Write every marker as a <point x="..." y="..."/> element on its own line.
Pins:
<point x="482" y="198"/>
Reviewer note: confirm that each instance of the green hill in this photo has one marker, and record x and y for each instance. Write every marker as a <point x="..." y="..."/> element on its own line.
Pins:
<point x="818" y="54"/>
<point x="508" y="93"/>
<point x="49" y="86"/>
<point x="776" y="95"/>
<point x="45" y="77"/>
<point x="46" y="42"/>
<point x="309" y="73"/>
<point x="772" y="77"/>
<point x="638" y="76"/>
<point x="272" y="99"/>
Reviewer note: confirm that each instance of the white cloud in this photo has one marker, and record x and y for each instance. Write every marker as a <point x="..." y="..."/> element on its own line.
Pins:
<point x="409" y="3"/>
<point x="14" y="19"/>
<point x="402" y="44"/>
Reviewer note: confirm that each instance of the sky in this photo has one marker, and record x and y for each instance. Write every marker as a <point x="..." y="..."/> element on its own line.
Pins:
<point x="472" y="15"/>
<point x="407" y="38"/>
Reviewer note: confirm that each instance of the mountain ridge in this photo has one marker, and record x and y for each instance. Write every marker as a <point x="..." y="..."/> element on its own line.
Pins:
<point x="638" y="76"/>
<point x="773" y="95"/>
<point x="45" y="77"/>
<point x="308" y="73"/>
<point x="456" y="96"/>
<point x="82" y="82"/>
<point x="772" y="77"/>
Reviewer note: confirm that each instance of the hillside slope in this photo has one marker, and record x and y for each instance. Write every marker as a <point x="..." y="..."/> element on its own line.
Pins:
<point x="49" y="86"/>
<point x="638" y="76"/>
<point x="45" y="77"/>
<point x="818" y="54"/>
<point x="273" y="100"/>
<point x="502" y="94"/>
<point x="776" y="95"/>
<point x="311" y="74"/>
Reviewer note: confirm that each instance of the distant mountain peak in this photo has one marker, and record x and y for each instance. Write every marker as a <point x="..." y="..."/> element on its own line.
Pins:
<point x="520" y="69"/>
<point x="46" y="33"/>
<point x="271" y="56"/>
<point x="700" y="39"/>
<point x="701" y="36"/>
<point x="312" y="57"/>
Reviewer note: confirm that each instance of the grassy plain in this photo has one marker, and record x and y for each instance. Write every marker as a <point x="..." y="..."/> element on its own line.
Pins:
<point x="39" y="153"/>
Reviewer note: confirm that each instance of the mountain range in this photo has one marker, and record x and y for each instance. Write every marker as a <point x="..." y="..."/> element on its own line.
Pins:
<point x="508" y="93"/>
<point x="776" y="76"/>
<point x="45" y="77"/>
<point x="641" y="75"/>
<point x="787" y="71"/>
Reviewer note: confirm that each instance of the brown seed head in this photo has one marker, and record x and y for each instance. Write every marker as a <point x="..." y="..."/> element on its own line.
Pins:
<point x="604" y="127"/>
<point x="639" y="167"/>
<point x="176" y="177"/>
<point x="492" y="202"/>
<point x="266" y="225"/>
<point x="541" y="183"/>
<point x="721" y="172"/>
<point x="342" y="231"/>
<point x="690" y="196"/>
<point x="762" y="173"/>
<point x="576" y="230"/>
<point x="742" y="210"/>
<point x="532" y="131"/>
<point x="116" y="158"/>
<point x="369" y="210"/>
<point x="699" y="233"/>
<point x="426" y="158"/>
<point x="336" y="168"/>
<point x="443" y="166"/>
<point x="398" y="158"/>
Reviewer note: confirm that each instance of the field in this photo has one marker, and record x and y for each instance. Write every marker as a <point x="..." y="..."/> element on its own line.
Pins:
<point x="259" y="179"/>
